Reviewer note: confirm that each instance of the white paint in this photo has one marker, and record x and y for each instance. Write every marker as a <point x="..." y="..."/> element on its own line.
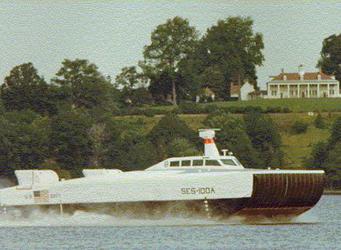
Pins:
<point x="211" y="149"/>
<point x="29" y="178"/>
<point x="245" y="90"/>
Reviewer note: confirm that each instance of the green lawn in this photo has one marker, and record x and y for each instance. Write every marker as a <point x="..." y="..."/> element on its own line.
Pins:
<point x="297" y="148"/>
<point x="295" y="105"/>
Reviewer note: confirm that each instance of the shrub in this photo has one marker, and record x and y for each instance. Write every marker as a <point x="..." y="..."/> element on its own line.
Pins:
<point x="286" y="110"/>
<point x="273" y="109"/>
<point x="190" y="108"/>
<point x="249" y="109"/>
<point x="211" y="108"/>
<point x="299" y="127"/>
<point x="149" y="113"/>
<point x="319" y="122"/>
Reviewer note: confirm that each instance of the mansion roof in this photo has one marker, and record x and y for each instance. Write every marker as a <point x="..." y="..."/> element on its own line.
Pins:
<point x="306" y="76"/>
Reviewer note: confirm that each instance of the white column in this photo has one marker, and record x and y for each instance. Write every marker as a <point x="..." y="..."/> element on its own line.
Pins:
<point x="278" y="94"/>
<point x="288" y="86"/>
<point x="318" y="90"/>
<point x="298" y="90"/>
<point x="308" y="89"/>
<point x="327" y="89"/>
<point x="269" y="92"/>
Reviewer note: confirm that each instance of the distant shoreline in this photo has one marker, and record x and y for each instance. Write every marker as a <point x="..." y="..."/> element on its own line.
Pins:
<point x="332" y="192"/>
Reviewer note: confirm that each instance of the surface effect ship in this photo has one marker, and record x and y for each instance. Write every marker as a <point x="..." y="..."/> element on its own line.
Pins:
<point x="214" y="185"/>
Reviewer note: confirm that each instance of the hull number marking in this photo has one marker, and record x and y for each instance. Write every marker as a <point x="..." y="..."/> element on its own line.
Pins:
<point x="200" y="190"/>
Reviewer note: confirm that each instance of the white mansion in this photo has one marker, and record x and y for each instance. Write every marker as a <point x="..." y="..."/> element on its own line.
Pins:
<point x="303" y="85"/>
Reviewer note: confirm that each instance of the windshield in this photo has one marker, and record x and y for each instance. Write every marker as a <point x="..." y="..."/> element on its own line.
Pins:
<point x="229" y="162"/>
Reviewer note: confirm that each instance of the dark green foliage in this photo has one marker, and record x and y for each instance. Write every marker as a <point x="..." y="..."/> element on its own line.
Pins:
<point x="149" y="113"/>
<point x="128" y="78"/>
<point x="233" y="137"/>
<point x="299" y="127"/>
<point x="335" y="136"/>
<point x="134" y="92"/>
<point x="228" y="52"/>
<point x="319" y="155"/>
<point x="331" y="56"/>
<point x="333" y="166"/>
<point x="83" y="85"/>
<point x="70" y="141"/>
<point x="274" y="110"/>
<point x="24" y="89"/>
<point x="2" y="108"/>
<point x="265" y="138"/>
<point x="23" y="141"/>
<point x="127" y="148"/>
<point x="140" y="96"/>
<point x="327" y="156"/>
<point x="190" y="108"/>
<point x="181" y="147"/>
<point x="169" y="128"/>
<point x="170" y="43"/>
<point x="319" y="122"/>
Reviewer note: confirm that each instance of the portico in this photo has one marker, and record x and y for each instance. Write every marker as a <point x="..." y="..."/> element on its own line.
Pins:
<point x="303" y="85"/>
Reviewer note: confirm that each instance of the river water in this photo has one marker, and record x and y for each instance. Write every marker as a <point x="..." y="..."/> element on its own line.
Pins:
<point x="317" y="229"/>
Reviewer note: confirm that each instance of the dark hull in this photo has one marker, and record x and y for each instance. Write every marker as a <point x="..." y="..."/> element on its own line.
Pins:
<point x="274" y="195"/>
<point x="286" y="195"/>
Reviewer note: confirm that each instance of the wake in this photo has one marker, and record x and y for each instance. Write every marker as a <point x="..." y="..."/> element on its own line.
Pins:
<point x="38" y="218"/>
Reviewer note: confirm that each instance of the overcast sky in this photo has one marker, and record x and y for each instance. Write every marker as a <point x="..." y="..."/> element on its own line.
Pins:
<point x="112" y="34"/>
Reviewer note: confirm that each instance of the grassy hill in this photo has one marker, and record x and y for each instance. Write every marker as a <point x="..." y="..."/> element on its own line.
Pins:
<point x="296" y="147"/>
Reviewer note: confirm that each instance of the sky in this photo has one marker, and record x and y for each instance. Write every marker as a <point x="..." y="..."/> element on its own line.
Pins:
<point x="112" y="34"/>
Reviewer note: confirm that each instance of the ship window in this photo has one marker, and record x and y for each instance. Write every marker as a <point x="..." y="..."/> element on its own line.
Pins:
<point x="186" y="163"/>
<point x="229" y="162"/>
<point x="212" y="163"/>
<point x="174" y="163"/>
<point x="198" y="162"/>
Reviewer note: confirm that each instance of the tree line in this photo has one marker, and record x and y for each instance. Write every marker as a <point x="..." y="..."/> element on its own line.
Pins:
<point x="75" y="139"/>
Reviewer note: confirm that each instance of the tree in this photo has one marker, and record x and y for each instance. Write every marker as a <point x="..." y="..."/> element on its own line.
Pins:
<point x="265" y="138"/>
<point x="127" y="147"/>
<point x="319" y="122"/>
<point x="229" y="51"/>
<point x="326" y="156"/>
<point x="70" y="141"/>
<point x="233" y="137"/>
<point x="133" y="85"/>
<point x="24" y="89"/>
<point x="2" y="108"/>
<point x="171" y="42"/>
<point x="330" y="61"/>
<point x="23" y="141"/>
<point x="169" y="128"/>
<point x="181" y="147"/>
<point x="333" y="166"/>
<point x="335" y="133"/>
<point x="160" y="87"/>
<point x="319" y="155"/>
<point x="299" y="127"/>
<point x="130" y="78"/>
<point x="83" y="85"/>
